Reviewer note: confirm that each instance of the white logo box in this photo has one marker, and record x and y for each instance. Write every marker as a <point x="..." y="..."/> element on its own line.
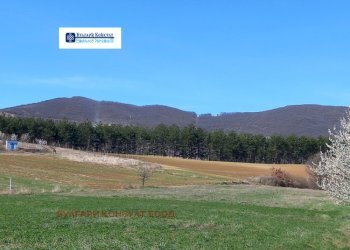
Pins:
<point x="90" y="38"/>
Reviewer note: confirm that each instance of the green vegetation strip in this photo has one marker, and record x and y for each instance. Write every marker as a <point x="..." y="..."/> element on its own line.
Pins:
<point x="28" y="222"/>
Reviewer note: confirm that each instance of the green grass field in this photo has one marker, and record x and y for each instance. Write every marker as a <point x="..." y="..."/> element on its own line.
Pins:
<point x="209" y="215"/>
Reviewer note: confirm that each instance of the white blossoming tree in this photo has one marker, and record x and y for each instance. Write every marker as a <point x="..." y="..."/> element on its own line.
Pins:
<point x="333" y="171"/>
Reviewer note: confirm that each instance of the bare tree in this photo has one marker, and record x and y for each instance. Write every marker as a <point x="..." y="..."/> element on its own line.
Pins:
<point x="25" y="137"/>
<point x="333" y="170"/>
<point x="53" y="149"/>
<point x="145" y="172"/>
<point x="2" y="139"/>
<point x="41" y="144"/>
<point x="2" y="136"/>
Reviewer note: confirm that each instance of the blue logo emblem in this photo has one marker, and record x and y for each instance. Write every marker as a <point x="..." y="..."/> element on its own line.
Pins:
<point x="70" y="37"/>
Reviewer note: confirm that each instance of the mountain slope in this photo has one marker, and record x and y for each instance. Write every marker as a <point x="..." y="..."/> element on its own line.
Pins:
<point x="309" y="120"/>
<point x="81" y="109"/>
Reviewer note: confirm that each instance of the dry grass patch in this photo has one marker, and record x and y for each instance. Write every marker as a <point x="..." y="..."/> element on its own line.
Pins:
<point x="98" y="158"/>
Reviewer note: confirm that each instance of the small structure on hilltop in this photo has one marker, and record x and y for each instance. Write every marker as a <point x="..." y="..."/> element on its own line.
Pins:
<point x="11" y="145"/>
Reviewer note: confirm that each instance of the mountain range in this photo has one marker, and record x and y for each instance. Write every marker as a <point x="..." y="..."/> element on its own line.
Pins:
<point x="308" y="119"/>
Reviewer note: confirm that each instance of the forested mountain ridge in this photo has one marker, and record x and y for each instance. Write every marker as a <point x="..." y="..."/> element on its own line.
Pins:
<point x="307" y="120"/>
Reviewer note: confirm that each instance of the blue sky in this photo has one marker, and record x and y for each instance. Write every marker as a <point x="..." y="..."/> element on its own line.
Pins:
<point x="207" y="56"/>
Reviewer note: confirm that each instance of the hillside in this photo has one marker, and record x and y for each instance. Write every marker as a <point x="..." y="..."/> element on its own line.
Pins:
<point x="81" y="109"/>
<point x="309" y="120"/>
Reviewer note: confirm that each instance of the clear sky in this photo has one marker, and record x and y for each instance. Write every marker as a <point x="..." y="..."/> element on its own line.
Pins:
<point x="207" y="56"/>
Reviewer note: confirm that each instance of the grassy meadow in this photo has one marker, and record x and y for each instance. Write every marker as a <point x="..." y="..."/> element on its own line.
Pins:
<point x="207" y="217"/>
<point x="212" y="212"/>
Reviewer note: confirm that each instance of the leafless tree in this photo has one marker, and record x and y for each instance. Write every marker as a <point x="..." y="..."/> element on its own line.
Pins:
<point x="53" y="149"/>
<point x="146" y="171"/>
<point x="41" y="143"/>
<point x="25" y="137"/>
<point x="2" y="136"/>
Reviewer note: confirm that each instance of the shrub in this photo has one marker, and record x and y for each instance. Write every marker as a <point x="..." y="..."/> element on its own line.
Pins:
<point x="283" y="179"/>
<point x="57" y="189"/>
<point x="24" y="190"/>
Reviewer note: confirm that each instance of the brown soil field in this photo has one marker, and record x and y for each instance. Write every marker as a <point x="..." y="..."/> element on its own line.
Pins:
<point x="235" y="170"/>
<point x="65" y="172"/>
<point x="111" y="172"/>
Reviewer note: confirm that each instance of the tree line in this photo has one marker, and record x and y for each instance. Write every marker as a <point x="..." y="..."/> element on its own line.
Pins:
<point x="187" y="142"/>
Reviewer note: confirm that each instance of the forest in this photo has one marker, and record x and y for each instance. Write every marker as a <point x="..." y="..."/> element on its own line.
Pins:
<point x="186" y="142"/>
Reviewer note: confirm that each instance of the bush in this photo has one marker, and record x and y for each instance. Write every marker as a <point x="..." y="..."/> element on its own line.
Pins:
<point x="57" y="189"/>
<point x="24" y="190"/>
<point x="283" y="179"/>
<point x="280" y="178"/>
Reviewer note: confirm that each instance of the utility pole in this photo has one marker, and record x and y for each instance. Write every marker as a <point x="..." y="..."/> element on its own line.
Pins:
<point x="10" y="186"/>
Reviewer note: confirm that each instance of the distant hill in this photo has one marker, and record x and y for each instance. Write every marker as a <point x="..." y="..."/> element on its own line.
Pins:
<point x="81" y="109"/>
<point x="309" y="120"/>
